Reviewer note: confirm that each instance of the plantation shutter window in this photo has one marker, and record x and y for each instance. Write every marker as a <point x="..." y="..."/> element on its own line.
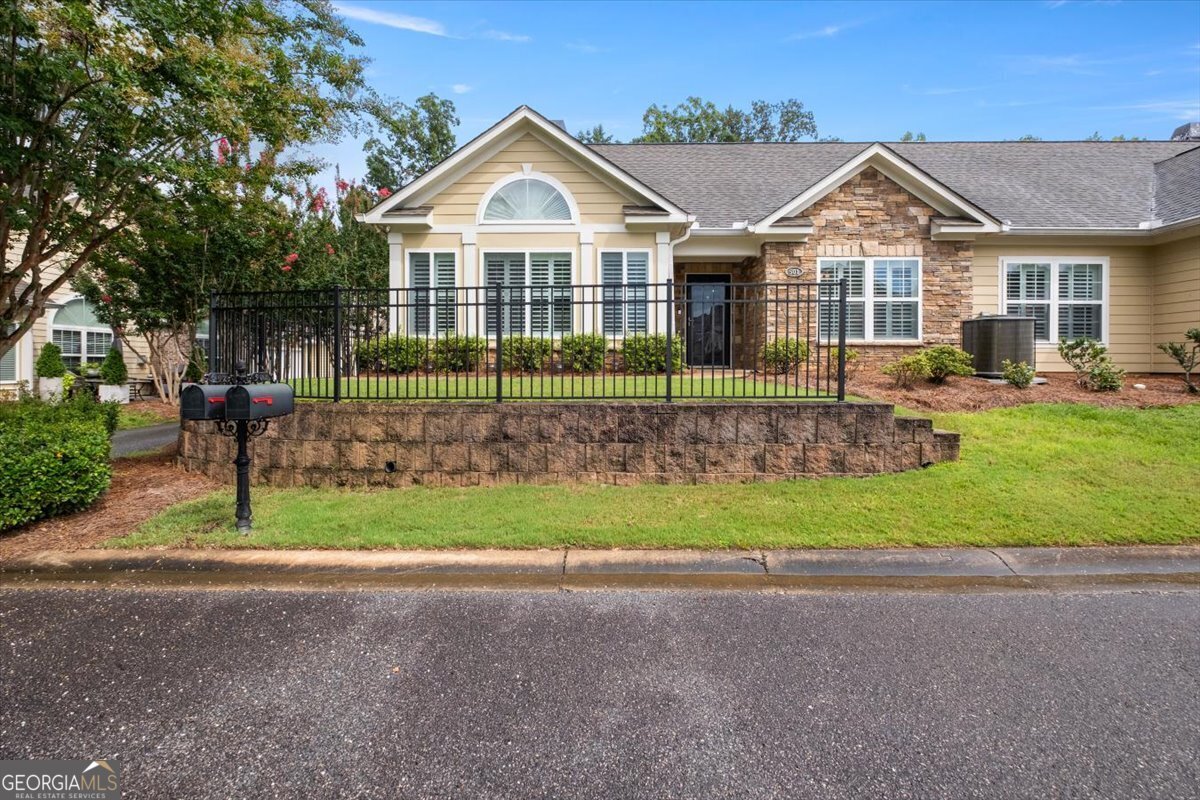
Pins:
<point x="536" y="292"/>
<point x="1064" y="296"/>
<point x="527" y="200"/>
<point x="896" y="298"/>
<point x="8" y="363"/>
<point x="1027" y="289"/>
<point x="80" y="334"/>
<point x="1080" y="301"/>
<point x="854" y="271"/>
<point x="625" y="276"/>
<point x="431" y="296"/>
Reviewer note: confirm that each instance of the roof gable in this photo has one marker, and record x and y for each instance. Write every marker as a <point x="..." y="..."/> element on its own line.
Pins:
<point x="521" y="122"/>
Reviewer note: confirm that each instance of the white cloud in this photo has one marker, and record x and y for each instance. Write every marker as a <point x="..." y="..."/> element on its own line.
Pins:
<point x="1183" y="110"/>
<point x="503" y="36"/>
<point x="939" y="91"/>
<point x="584" y="47"/>
<point x="827" y="32"/>
<point x="400" y="21"/>
<point x="460" y="88"/>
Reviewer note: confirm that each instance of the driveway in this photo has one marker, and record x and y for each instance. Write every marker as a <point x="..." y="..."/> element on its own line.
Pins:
<point x="685" y="694"/>
<point x="139" y="440"/>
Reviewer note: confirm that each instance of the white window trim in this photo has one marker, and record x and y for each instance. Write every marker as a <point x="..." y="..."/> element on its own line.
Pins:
<point x="650" y="292"/>
<point x="528" y="253"/>
<point x="84" y="357"/>
<point x="433" y="286"/>
<point x="553" y="182"/>
<point x="1054" y="262"/>
<point x="869" y="298"/>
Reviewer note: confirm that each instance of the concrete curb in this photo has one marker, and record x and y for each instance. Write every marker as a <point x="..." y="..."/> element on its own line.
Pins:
<point x="1034" y="567"/>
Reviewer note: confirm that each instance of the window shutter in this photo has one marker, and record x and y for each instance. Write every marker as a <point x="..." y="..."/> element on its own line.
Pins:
<point x="8" y="363"/>
<point x="539" y="301"/>
<point x="612" y="272"/>
<point x="637" y="274"/>
<point x="419" y="280"/>
<point x="444" y="280"/>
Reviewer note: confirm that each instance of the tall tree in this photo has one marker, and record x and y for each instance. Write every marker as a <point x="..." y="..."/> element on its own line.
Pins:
<point x="102" y="99"/>
<point x="697" y="120"/>
<point x="909" y="137"/>
<point x="597" y="135"/>
<point x="409" y="139"/>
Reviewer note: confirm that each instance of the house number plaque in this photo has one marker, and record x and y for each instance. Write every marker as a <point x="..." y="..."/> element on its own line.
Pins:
<point x="792" y="272"/>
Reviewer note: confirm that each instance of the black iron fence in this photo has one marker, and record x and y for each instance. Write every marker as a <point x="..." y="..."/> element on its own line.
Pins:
<point x="704" y="339"/>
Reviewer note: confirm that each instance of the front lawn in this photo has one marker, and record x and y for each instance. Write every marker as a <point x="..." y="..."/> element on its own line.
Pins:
<point x="1034" y="475"/>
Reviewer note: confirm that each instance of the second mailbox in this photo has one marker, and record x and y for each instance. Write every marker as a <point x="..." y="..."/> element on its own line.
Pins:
<point x="203" y="401"/>
<point x="259" y="401"/>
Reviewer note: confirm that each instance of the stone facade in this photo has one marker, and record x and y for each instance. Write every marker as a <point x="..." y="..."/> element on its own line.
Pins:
<point x="870" y="215"/>
<point x="401" y="444"/>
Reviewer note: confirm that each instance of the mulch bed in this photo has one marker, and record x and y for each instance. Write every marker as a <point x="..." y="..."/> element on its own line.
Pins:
<point x="166" y="411"/>
<point x="975" y="394"/>
<point x="141" y="487"/>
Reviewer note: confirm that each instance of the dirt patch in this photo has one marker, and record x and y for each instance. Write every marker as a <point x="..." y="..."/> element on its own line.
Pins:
<point x="976" y="394"/>
<point x="141" y="487"/>
<point x="164" y="411"/>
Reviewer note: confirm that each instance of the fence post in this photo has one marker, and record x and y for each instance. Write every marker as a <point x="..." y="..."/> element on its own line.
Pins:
<point x="500" y="343"/>
<point x="670" y="331"/>
<point x="212" y="331"/>
<point x="337" y="343"/>
<point x="842" y="307"/>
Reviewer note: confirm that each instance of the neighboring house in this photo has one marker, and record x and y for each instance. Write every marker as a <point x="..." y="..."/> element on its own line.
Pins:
<point x="1098" y="239"/>
<point x="71" y="323"/>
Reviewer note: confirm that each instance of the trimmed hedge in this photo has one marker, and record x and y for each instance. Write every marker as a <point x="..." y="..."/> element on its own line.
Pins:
<point x="646" y="353"/>
<point x="112" y="370"/>
<point x="53" y="457"/>
<point x="526" y="353"/>
<point x="584" y="352"/>
<point x="393" y="354"/>
<point x="459" y="353"/>
<point x="784" y="355"/>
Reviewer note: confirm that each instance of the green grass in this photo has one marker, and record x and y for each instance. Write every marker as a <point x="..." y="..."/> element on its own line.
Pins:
<point x="138" y="418"/>
<point x="1035" y="475"/>
<point x="516" y="387"/>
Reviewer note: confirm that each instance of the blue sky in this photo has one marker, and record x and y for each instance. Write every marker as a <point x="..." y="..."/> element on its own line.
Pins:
<point x="867" y="71"/>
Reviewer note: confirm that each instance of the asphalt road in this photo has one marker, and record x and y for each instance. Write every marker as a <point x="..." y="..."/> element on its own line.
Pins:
<point x="682" y="694"/>
<point x="139" y="440"/>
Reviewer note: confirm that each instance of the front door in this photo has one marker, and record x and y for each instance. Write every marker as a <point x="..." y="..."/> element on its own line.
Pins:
<point x="707" y="320"/>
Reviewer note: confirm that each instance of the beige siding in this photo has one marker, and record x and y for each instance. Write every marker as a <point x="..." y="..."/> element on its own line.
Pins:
<point x="598" y="202"/>
<point x="1176" y="295"/>
<point x="1130" y="291"/>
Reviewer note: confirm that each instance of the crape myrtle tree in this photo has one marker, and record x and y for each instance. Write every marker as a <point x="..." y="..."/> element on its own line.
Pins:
<point x="105" y="102"/>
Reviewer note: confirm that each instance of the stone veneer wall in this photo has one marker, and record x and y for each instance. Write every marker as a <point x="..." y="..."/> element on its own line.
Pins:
<point x="870" y="215"/>
<point x="355" y="444"/>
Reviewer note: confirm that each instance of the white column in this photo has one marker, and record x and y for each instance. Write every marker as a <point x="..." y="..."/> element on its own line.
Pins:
<point x="395" y="280"/>
<point x="663" y="269"/>
<point x="469" y="280"/>
<point x="586" y="275"/>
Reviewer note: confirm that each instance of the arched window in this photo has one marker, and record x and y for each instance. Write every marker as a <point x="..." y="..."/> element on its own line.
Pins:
<point x="527" y="200"/>
<point x="80" y="334"/>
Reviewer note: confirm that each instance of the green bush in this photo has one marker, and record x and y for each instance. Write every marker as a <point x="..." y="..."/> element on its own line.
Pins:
<point x="1093" y="367"/>
<point x="945" y="360"/>
<point x="1185" y="358"/>
<point x="1017" y="374"/>
<point x="393" y="354"/>
<point x="785" y="355"/>
<point x="49" y="362"/>
<point x="851" y="359"/>
<point x="197" y="365"/>
<point x="112" y="368"/>
<point x="646" y="353"/>
<point x="584" y="352"/>
<point x="459" y="353"/>
<point x="908" y="370"/>
<point x="526" y="353"/>
<point x="53" y="458"/>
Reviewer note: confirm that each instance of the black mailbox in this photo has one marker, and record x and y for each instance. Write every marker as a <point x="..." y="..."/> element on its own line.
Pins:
<point x="203" y="401"/>
<point x="259" y="401"/>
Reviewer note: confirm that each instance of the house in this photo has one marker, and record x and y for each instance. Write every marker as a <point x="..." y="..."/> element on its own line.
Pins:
<point x="1097" y="239"/>
<point x="71" y="322"/>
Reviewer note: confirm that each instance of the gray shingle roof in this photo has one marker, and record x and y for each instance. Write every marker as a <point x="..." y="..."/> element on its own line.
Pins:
<point x="1029" y="184"/>
<point x="1177" y="187"/>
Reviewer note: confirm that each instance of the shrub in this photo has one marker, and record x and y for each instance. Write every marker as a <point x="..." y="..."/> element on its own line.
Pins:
<point x="458" y="353"/>
<point x="945" y="360"/>
<point x="645" y="353"/>
<point x="584" y="352"/>
<point x="908" y="370"/>
<point x="1093" y="367"/>
<point x="112" y="369"/>
<point x="1018" y="374"/>
<point x="851" y="359"/>
<point x="197" y="365"/>
<point x="785" y="355"/>
<point x="527" y="353"/>
<point x="392" y="354"/>
<point x="1185" y="358"/>
<point x="53" y="458"/>
<point x="49" y="362"/>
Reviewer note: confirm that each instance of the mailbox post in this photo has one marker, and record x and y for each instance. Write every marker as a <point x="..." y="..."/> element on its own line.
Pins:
<point x="242" y="405"/>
